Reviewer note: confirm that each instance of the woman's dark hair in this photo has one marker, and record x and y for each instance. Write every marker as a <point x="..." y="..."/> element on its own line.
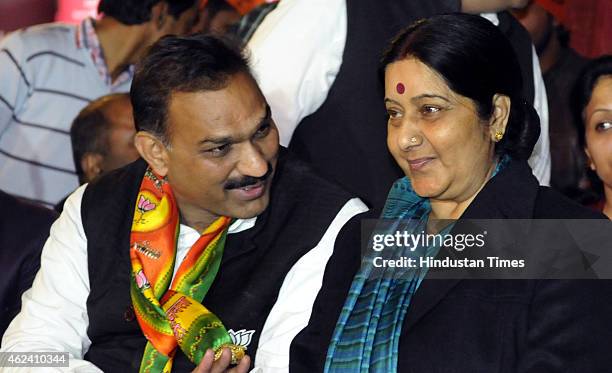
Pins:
<point x="181" y="64"/>
<point x="476" y="61"/>
<point x="583" y="89"/>
<point x="135" y="12"/>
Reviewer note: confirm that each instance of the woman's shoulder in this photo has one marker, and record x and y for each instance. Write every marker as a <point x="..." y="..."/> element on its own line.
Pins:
<point x="550" y="204"/>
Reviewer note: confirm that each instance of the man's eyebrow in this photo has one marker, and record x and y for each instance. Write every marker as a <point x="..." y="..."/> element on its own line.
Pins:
<point x="228" y="139"/>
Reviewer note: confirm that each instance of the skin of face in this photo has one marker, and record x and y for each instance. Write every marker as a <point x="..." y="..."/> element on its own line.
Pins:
<point x="121" y="150"/>
<point x="184" y="23"/>
<point x="538" y="22"/>
<point x="218" y="138"/>
<point x="598" y="131"/>
<point x="454" y="152"/>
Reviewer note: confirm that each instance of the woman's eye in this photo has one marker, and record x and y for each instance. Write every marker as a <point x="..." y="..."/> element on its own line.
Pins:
<point x="603" y="126"/>
<point x="428" y="109"/>
<point x="392" y="114"/>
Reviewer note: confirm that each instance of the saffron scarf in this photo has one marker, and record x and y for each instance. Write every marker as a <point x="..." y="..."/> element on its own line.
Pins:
<point x="169" y="311"/>
<point x="366" y="337"/>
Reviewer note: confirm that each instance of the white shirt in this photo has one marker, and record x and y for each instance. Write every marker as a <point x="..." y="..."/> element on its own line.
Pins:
<point x="296" y="54"/>
<point x="54" y="316"/>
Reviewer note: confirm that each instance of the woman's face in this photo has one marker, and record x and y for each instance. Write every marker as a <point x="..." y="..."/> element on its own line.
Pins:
<point x="435" y="134"/>
<point x="598" y="129"/>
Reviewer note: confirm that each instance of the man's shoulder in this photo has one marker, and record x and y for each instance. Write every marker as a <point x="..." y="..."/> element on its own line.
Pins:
<point x="50" y="36"/>
<point x="115" y="188"/>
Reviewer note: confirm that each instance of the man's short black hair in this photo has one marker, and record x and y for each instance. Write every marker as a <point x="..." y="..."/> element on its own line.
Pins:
<point x="135" y="12"/>
<point x="89" y="130"/>
<point x="181" y="64"/>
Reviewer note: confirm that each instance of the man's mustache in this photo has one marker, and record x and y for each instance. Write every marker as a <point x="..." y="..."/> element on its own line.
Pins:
<point x="248" y="180"/>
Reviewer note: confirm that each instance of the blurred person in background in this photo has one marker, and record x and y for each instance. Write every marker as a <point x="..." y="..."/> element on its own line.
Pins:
<point x="216" y="16"/>
<point x="545" y="19"/>
<point x="102" y="138"/>
<point x="50" y="72"/>
<point x="593" y="112"/>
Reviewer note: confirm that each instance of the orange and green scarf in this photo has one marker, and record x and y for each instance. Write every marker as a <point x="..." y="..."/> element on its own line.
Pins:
<point x="169" y="311"/>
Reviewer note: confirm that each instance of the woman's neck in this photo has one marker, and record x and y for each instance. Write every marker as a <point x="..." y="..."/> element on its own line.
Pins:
<point x="607" y="210"/>
<point x="453" y="209"/>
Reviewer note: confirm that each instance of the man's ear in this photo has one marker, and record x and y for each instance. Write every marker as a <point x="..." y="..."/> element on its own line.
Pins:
<point x="91" y="164"/>
<point x="152" y="150"/>
<point x="500" y="116"/>
<point x="159" y="14"/>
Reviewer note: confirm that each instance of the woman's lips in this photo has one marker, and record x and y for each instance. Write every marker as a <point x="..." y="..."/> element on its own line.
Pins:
<point x="419" y="163"/>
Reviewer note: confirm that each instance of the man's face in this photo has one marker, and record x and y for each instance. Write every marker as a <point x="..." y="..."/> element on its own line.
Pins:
<point x="223" y="147"/>
<point x="538" y="22"/>
<point x="121" y="150"/>
<point x="219" y="24"/>
<point x="185" y="21"/>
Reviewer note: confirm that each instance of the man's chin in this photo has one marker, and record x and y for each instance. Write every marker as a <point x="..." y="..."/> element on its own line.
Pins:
<point x="250" y="209"/>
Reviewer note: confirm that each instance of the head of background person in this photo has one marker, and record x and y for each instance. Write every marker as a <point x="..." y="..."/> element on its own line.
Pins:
<point x="204" y="124"/>
<point x="216" y="16"/>
<point x="592" y="100"/>
<point x="453" y="94"/>
<point x="151" y="19"/>
<point x="102" y="136"/>
<point x="544" y="20"/>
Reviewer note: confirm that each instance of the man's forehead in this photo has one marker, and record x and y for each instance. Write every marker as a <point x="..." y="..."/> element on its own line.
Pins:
<point x="219" y="112"/>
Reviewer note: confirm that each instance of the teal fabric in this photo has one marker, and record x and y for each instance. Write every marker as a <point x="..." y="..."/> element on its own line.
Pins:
<point x="366" y="337"/>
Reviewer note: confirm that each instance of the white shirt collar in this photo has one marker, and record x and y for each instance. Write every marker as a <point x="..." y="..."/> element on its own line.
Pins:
<point x="237" y="226"/>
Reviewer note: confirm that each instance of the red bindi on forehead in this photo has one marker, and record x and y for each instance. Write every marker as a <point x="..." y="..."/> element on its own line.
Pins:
<point x="400" y="88"/>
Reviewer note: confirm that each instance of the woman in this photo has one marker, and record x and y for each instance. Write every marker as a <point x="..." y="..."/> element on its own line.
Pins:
<point x="461" y="132"/>
<point x="593" y="98"/>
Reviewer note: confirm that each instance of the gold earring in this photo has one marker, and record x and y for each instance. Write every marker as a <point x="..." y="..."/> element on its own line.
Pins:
<point x="499" y="136"/>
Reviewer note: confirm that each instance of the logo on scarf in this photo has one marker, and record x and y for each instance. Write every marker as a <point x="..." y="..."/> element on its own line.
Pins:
<point x="241" y="337"/>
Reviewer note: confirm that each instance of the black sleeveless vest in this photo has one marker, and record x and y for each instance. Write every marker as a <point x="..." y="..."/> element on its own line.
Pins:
<point x="253" y="267"/>
<point x="345" y="139"/>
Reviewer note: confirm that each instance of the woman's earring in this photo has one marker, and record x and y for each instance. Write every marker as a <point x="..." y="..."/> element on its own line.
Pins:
<point x="499" y="136"/>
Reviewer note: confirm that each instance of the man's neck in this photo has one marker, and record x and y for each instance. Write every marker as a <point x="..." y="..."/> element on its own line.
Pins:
<point x="121" y="44"/>
<point x="550" y="54"/>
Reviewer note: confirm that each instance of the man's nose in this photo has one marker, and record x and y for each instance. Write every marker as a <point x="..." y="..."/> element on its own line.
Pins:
<point x="253" y="163"/>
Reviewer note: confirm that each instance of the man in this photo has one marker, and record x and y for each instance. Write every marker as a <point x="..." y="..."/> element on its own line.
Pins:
<point x="561" y="66"/>
<point x="24" y="227"/>
<point x="212" y="165"/>
<point x="325" y="92"/>
<point x="50" y="72"/>
<point x="102" y="137"/>
<point x="216" y="16"/>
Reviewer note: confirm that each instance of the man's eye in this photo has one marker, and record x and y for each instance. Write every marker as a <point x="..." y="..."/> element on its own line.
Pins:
<point x="603" y="126"/>
<point x="220" y="151"/>
<point x="263" y="130"/>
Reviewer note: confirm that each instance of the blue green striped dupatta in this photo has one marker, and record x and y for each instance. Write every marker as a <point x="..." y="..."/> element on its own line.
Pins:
<point x="366" y="338"/>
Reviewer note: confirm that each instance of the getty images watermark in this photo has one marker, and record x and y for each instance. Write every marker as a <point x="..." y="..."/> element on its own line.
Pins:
<point x="490" y="249"/>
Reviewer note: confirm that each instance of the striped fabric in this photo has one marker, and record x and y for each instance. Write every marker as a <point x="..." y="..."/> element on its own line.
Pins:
<point x="47" y="76"/>
<point x="366" y="338"/>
